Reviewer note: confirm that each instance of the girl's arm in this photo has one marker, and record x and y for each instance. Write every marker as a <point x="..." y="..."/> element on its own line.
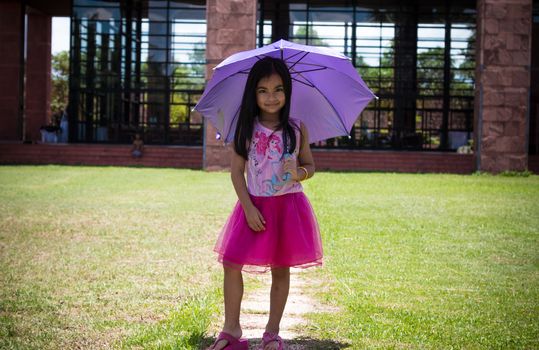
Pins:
<point x="305" y="156"/>
<point x="305" y="159"/>
<point x="237" y="170"/>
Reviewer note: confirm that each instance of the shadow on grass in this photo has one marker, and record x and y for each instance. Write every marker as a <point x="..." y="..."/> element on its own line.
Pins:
<point x="300" y="343"/>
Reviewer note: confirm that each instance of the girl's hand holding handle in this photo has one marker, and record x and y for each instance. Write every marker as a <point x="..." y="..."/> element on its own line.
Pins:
<point x="290" y="167"/>
<point x="255" y="220"/>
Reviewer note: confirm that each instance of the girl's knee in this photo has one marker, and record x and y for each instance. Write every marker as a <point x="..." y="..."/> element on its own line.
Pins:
<point x="280" y="273"/>
<point x="231" y="271"/>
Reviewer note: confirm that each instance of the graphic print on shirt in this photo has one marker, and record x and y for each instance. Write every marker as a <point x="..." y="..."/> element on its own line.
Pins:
<point x="268" y="147"/>
<point x="266" y="176"/>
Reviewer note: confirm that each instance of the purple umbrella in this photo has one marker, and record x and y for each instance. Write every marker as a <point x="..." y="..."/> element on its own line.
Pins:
<point x="327" y="92"/>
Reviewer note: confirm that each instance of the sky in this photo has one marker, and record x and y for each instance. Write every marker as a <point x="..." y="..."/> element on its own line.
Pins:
<point x="60" y="34"/>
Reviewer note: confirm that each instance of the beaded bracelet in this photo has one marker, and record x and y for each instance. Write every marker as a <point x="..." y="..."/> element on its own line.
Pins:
<point x="306" y="173"/>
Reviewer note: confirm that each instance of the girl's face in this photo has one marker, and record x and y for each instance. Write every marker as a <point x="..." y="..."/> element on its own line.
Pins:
<point x="270" y="96"/>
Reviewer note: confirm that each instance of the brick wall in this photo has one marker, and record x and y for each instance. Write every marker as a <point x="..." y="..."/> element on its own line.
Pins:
<point x="394" y="161"/>
<point x="92" y="154"/>
<point x="10" y="69"/>
<point x="38" y="74"/>
<point x="191" y="157"/>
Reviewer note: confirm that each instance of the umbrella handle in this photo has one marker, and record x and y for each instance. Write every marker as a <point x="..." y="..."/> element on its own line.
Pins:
<point x="287" y="176"/>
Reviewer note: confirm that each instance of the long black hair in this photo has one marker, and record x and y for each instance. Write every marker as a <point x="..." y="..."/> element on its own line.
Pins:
<point x="249" y="108"/>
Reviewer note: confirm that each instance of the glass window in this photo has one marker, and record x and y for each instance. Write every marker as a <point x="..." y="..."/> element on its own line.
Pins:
<point x="97" y="13"/>
<point x="141" y="72"/>
<point x="417" y="58"/>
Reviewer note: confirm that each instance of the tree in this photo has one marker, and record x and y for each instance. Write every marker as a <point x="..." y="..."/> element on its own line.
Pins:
<point x="430" y="71"/>
<point x="314" y="38"/>
<point x="60" y="81"/>
<point x="379" y="78"/>
<point x="186" y="77"/>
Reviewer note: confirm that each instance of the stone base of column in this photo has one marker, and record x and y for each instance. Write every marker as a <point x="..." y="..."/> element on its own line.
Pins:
<point x="217" y="155"/>
<point x="503" y="84"/>
<point x="231" y="28"/>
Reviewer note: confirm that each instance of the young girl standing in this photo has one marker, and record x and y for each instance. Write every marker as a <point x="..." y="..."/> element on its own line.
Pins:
<point x="273" y="226"/>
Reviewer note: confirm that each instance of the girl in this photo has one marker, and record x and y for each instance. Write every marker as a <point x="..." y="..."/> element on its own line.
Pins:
<point x="268" y="229"/>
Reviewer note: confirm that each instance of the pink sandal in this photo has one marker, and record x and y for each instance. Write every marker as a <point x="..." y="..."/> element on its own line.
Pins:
<point x="233" y="343"/>
<point x="268" y="338"/>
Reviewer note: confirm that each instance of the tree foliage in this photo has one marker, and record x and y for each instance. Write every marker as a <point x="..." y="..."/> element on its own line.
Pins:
<point x="187" y="77"/>
<point x="60" y="81"/>
<point x="313" y="37"/>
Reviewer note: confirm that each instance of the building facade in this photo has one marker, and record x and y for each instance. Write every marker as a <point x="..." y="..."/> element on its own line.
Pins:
<point x="447" y="73"/>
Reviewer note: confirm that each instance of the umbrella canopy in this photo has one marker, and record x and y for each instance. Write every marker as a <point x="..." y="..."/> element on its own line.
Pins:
<point x="328" y="94"/>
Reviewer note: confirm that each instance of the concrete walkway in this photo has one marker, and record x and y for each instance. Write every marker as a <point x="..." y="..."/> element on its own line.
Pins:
<point x="255" y="309"/>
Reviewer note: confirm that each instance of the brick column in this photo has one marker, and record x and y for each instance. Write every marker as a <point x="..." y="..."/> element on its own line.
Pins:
<point x="502" y="84"/>
<point x="231" y="28"/>
<point x="10" y="70"/>
<point x="38" y="74"/>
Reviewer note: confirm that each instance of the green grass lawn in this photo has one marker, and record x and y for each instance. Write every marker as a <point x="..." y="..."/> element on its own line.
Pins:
<point x="105" y="257"/>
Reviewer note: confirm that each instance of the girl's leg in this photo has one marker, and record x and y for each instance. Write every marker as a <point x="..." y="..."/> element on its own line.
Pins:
<point x="280" y="285"/>
<point x="233" y="292"/>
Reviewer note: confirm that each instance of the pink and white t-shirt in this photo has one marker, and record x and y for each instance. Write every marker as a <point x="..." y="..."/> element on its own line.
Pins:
<point x="265" y="162"/>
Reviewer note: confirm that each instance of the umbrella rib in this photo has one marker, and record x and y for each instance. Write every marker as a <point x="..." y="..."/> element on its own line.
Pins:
<point x="288" y="59"/>
<point x="308" y="83"/>
<point x="309" y="70"/>
<point x="301" y="75"/>
<point x="294" y="55"/>
<point x="302" y="57"/>
<point x="329" y="102"/>
<point x="312" y="64"/>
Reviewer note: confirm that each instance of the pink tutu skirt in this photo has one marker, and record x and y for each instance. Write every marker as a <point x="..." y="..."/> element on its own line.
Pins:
<point x="291" y="237"/>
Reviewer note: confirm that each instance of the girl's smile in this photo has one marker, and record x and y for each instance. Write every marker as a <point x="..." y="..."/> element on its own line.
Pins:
<point x="270" y="96"/>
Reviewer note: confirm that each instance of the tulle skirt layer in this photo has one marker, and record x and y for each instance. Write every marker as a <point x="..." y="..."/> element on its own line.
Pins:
<point x="291" y="237"/>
